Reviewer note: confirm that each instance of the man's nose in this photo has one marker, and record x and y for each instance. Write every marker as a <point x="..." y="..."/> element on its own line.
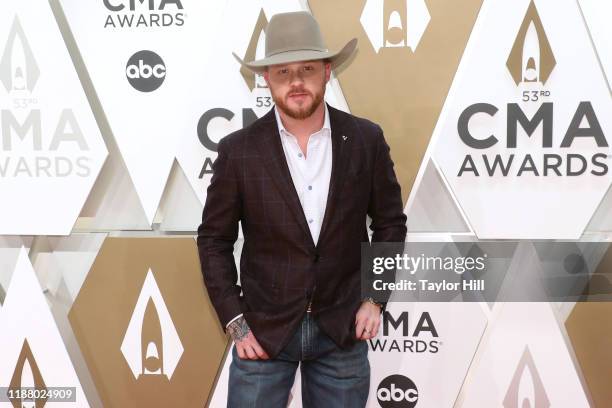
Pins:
<point x="295" y="77"/>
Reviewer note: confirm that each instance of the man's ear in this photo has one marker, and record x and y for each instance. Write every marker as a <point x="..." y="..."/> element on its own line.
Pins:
<point x="327" y="70"/>
<point x="266" y="77"/>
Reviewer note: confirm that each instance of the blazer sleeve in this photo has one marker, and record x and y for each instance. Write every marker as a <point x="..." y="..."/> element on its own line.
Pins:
<point x="386" y="207"/>
<point x="217" y="234"/>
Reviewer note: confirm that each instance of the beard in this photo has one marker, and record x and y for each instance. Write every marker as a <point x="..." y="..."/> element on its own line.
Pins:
<point x="301" y="112"/>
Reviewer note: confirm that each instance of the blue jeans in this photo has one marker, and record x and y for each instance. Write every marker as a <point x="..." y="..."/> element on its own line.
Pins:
<point x="331" y="377"/>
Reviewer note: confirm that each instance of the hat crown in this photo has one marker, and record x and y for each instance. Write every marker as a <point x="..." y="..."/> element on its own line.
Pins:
<point x="293" y="31"/>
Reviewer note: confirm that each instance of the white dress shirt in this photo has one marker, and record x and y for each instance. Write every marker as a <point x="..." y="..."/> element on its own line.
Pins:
<point x="310" y="173"/>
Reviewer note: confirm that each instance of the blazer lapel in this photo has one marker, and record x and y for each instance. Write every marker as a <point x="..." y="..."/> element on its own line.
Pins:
<point x="341" y="147"/>
<point x="271" y="150"/>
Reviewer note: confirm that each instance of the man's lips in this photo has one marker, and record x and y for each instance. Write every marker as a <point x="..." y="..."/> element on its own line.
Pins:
<point x="293" y="95"/>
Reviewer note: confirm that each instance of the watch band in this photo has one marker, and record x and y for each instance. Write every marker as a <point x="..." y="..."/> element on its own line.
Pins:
<point x="371" y="300"/>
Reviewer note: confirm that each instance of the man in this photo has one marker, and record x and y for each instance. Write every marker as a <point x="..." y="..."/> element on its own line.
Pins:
<point x="301" y="181"/>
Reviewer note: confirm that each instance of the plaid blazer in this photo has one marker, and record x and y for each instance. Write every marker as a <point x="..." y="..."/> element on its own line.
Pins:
<point x="281" y="269"/>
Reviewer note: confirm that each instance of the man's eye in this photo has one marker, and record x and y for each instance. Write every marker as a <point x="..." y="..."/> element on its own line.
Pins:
<point x="308" y="68"/>
<point x="282" y="71"/>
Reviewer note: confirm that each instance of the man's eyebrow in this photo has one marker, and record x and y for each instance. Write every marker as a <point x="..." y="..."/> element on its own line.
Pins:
<point x="286" y="65"/>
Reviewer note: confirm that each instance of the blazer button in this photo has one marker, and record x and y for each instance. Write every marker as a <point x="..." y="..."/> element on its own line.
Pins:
<point x="316" y="257"/>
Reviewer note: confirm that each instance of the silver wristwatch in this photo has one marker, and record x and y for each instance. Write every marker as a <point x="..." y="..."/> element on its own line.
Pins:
<point x="370" y="299"/>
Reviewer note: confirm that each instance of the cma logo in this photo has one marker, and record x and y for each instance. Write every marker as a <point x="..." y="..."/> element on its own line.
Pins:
<point x="204" y="125"/>
<point x="216" y="120"/>
<point x="407" y="333"/>
<point x="151" y="345"/>
<point x="531" y="58"/>
<point x="143" y="13"/>
<point x="27" y="154"/>
<point x="27" y="378"/>
<point x="18" y="68"/>
<point x="397" y="391"/>
<point x="583" y="126"/>
<point x="133" y="5"/>
<point x="145" y="71"/>
<point x="395" y="23"/>
<point x="530" y="63"/>
<point x="526" y="388"/>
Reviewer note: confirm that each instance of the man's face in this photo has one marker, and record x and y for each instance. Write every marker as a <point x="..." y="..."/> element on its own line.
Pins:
<point x="298" y="88"/>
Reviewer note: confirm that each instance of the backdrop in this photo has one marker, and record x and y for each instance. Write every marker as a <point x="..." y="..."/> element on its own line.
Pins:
<point x="499" y="117"/>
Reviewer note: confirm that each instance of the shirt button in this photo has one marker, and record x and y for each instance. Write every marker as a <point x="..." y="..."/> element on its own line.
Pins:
<point x="310" y="187"/>
<point x="310" y="220"/>
<point x="299" y="154"/>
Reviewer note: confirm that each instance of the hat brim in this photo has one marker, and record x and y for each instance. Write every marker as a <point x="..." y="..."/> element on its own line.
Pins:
<point x="336" y="58"/>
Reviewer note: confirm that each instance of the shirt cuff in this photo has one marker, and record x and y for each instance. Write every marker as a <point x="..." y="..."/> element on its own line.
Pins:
<point x="235" y="318"/>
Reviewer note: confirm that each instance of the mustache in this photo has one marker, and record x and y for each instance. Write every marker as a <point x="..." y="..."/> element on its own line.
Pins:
<point x="298" y="91"/>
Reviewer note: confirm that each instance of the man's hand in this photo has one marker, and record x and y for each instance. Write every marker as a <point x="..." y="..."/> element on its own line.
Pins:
<point x="246" y="343"/>
<point x="367" y="321"/>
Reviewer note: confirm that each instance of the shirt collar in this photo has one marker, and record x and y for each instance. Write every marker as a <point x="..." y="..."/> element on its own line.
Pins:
<point x="282" y="130"/>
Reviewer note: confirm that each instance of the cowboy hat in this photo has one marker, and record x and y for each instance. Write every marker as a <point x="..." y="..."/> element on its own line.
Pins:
<point x="295" y="36"/>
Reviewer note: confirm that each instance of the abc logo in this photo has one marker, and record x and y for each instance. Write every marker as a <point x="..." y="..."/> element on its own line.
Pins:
<point x="145" y="71"/>
<point x="397" y="391"/>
